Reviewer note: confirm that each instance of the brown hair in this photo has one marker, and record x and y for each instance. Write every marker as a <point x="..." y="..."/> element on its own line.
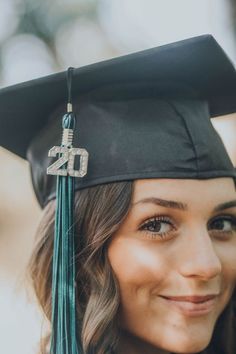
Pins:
<point x="99" y="212"/>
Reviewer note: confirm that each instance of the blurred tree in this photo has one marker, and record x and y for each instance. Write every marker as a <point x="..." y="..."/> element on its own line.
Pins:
<point x="233" y="11"/>
<point x="43" y="19"/>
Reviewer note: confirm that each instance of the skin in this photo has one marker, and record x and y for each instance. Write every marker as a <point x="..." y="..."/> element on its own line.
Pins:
<point x="196" y="256"/>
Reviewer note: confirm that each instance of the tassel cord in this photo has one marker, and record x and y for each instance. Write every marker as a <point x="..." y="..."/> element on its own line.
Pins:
<point x="64" y="322"/>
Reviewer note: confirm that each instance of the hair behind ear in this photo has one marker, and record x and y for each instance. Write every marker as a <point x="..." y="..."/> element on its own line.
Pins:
<point x="99" y="211"/>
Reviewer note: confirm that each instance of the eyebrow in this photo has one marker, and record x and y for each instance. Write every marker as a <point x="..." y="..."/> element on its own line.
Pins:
<point x="226" y="205"/>
<point x="164" y="203"/>
<point x="181" y="206"/>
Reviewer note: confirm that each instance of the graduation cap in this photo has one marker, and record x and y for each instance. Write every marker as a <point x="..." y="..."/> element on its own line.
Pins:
<point x="143" y="115"/>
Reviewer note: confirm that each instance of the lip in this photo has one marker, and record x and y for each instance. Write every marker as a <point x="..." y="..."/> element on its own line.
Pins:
<point x="193" y="305"/>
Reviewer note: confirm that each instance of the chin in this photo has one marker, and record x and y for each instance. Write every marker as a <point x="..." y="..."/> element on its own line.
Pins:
<point x="188" y="345"/>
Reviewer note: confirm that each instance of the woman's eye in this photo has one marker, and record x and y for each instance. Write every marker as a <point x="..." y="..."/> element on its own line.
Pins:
<point x="223" y="224"/>
<point x="158" y="227"/>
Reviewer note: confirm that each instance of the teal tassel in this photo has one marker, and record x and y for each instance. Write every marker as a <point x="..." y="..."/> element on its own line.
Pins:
<point x="64" y="323"/>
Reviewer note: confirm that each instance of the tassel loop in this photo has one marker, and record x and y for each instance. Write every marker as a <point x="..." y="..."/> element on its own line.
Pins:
<point x="68" y="125"/>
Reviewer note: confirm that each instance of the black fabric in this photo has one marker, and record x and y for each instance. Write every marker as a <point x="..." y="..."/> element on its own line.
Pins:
<point x="135" y="134"/>
<point x="145" y="115"/>
<point x="197" y="62"/>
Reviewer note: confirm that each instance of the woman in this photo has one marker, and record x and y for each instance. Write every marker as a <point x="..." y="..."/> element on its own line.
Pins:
<point x="153" y="249"/>
<point x="155" y="216"/>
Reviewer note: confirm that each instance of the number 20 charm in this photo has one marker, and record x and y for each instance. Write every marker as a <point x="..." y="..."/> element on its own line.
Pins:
<point x="68" y="155"/>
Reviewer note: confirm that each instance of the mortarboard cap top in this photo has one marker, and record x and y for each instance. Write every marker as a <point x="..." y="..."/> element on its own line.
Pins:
<point x="142" y="115"/>
<point x="199" y="63"/>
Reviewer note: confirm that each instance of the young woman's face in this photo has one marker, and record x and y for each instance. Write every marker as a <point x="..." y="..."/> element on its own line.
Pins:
<point x="175" y="261"/>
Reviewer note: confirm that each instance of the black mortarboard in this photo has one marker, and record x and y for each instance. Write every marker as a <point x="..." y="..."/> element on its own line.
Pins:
<point x="139" y="116"/>
<point x="144" y="115"/>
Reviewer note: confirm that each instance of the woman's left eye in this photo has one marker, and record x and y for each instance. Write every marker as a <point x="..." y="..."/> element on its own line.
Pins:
<point x="158" y="227"/>
<point x="223" y="224"/>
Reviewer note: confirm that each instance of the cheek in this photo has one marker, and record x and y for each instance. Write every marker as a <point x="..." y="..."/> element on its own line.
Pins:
<point x="227" y="255"/>
<point x="138" y="266"/>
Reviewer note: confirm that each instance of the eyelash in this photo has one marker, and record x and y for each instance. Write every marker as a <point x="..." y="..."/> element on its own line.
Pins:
<point x="156" y="219"/>
<point x="169" y="234"/>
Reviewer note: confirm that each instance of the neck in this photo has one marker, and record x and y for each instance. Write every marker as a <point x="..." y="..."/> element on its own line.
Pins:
<point x="131" y="344"/>
<point x="134" y="345"/>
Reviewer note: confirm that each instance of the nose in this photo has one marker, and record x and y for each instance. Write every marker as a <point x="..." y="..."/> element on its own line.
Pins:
<point x="199" y="258"/>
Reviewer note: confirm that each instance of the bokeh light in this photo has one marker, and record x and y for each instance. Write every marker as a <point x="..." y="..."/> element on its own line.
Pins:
<point x="81" y="42"/>
<point x="25" y="57"/>
<point x="9" y="19"/>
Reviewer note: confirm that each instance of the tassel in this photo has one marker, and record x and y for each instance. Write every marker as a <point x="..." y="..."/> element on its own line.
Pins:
<point x="64" y="322"/>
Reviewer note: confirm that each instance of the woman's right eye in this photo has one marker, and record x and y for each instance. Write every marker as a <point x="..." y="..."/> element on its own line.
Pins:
<point x="158" y="227"/>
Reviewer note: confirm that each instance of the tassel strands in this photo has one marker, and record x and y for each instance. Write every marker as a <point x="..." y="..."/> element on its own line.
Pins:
<point x="64" y="323"/>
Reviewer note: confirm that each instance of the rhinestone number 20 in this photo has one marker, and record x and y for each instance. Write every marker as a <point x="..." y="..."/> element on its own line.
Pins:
<point x="68" y="155"/>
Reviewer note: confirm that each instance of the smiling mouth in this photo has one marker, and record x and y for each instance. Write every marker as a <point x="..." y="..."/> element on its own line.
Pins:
<point x="191" y="306"/>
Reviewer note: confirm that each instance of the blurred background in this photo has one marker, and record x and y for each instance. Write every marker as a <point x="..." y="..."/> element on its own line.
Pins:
<point x="41" y="37"/>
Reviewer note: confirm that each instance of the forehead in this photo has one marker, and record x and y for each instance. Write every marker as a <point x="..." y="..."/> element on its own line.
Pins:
<point x="188" y="190"/>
